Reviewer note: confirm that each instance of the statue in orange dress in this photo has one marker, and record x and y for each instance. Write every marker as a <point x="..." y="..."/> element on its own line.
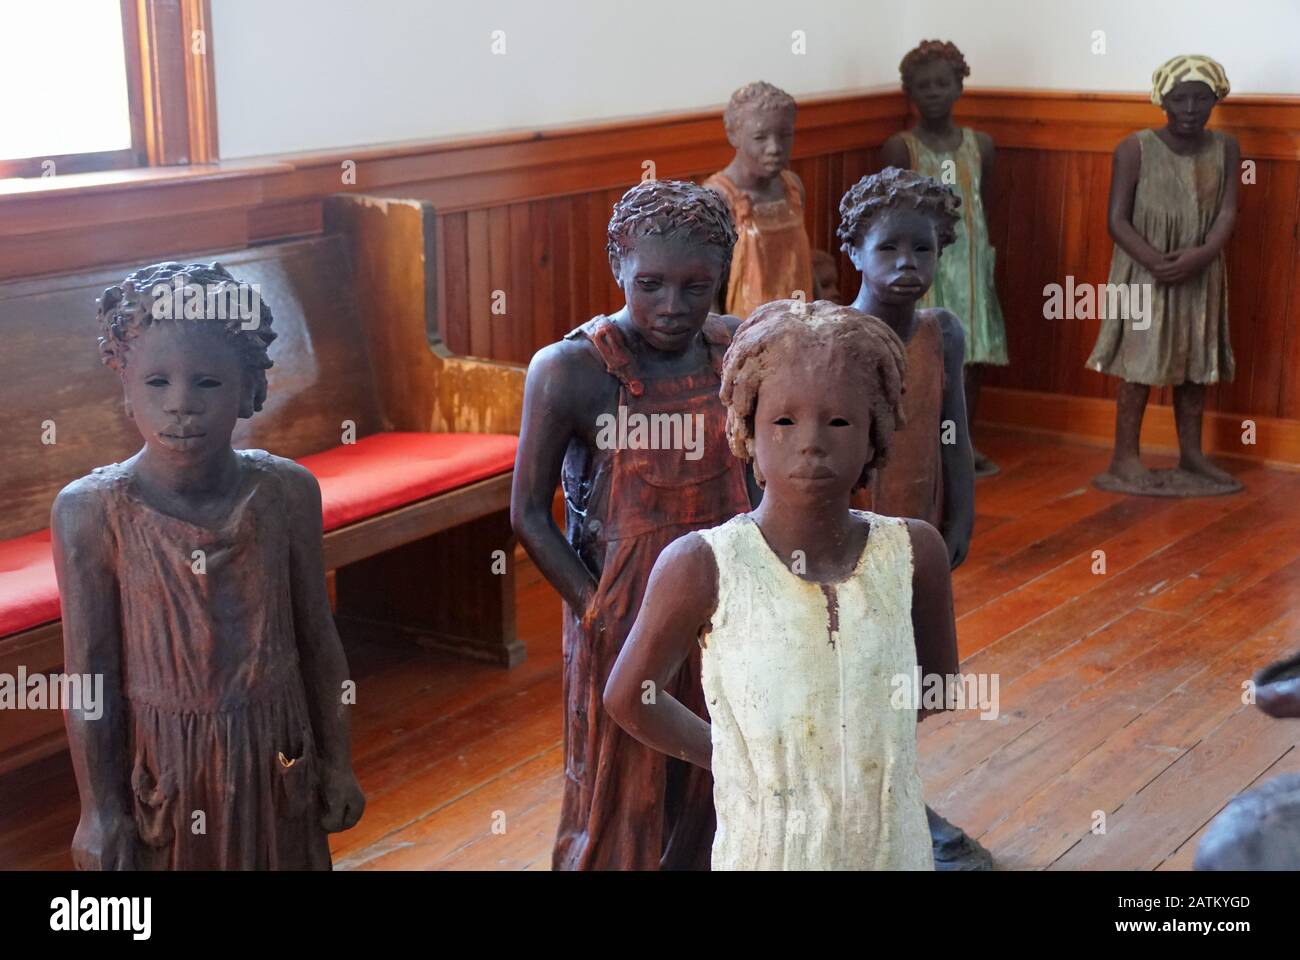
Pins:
<point x="773" y="258"/>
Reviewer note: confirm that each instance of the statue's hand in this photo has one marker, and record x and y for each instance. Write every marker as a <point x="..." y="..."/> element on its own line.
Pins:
<point x="104" y="841"/>
<point x="342" y="799"/>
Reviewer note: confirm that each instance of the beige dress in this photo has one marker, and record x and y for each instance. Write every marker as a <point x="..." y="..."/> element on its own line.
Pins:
<point x="1177" y="201"/>
<point x="813" y="768"/>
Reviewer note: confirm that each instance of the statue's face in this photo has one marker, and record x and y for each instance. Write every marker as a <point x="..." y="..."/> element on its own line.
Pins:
<point x="826" y="280"/>
<point x="763" y="138"/>
<point x="812" y="428"/>
<point x="670" y="282"/>
<point x="897" y="255"/>
<point x="934" y="87"/>
<point x="1188" y="106"/>
<point x="185" y="389"/>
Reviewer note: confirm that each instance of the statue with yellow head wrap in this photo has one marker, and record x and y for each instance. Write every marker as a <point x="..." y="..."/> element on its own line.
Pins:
<point x="1188" y="68"/>
<point x="1173" y="204"/>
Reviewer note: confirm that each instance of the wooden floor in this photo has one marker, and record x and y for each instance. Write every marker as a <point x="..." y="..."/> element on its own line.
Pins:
<point x="1120" y="691"/>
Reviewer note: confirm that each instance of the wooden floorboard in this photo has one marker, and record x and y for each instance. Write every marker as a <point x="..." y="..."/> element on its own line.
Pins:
<point x="1120" y="691"/>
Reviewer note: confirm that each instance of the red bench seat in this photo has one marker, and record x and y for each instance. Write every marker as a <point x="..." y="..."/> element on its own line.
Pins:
<point x="376" y="474"/>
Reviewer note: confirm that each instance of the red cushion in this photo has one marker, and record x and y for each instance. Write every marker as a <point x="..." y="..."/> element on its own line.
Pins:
<point x="29" y="594"/>
<point x="357" y="480"/>
<point x="388" y="470"/>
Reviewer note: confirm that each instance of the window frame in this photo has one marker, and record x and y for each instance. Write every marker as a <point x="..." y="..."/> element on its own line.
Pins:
<point x="170" y="94"/>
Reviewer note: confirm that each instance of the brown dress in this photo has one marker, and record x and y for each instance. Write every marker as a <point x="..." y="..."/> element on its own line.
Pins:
<point x="772" y="257"/>
<point x="911" y="484"/>
<point x="625" y="806"/>
<point x="217" y="712"/>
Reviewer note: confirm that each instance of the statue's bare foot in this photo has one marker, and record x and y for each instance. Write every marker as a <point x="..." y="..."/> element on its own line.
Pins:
<point x="1130" y="472"/>
<point x="1201" y="467"/>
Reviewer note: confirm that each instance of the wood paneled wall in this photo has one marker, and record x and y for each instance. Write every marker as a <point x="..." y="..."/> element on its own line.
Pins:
<point x="525" y="213"/>
<point x="1048" y="222"/>
<point x="548" y="259"/>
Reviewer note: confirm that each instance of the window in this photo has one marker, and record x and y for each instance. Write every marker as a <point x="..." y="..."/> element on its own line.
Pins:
<point x="104" y="84"/>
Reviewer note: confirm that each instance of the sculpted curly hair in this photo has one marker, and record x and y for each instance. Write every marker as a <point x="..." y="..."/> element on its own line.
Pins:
<point x="927" y="52"/>
<point x="161" y="293"/>
<point x="760" y="95"/>
<point x="895" y="187"/>
<point x="663" y="207"/>
<point x="781" y="329"/>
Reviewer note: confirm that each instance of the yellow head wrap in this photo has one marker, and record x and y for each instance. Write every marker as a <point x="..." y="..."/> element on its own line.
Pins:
<point x="1188" y="66"/>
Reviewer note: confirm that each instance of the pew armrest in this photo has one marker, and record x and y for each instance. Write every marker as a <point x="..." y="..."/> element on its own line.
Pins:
<point x="477" y="396"/>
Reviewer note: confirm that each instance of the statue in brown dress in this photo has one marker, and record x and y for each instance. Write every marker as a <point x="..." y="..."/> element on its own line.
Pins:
<point x="624" y="414"/>
<point x="192" y="580"/>
<point x="772" y="258"/>
<point x="893" y="225"/>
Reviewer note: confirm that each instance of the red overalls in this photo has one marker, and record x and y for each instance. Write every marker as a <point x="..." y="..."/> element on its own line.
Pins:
<point x="626" y="806"/>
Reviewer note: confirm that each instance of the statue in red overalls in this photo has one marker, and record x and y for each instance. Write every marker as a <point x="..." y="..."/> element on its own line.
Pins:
<point x="624" y="413"/>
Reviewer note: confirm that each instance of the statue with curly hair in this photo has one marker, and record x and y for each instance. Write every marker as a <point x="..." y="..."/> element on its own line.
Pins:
<point x="807" y="612"/>
<point x="932" y="75"/>
<point x="894" y="225"/>
<point x="623" y="413"/>
<point x="192" y="581"/>
<point x="773" y="258"/>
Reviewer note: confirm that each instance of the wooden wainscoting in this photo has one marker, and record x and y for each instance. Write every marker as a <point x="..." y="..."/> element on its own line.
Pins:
<point x="1048" y="221"/>
<point x="525" y="213"/>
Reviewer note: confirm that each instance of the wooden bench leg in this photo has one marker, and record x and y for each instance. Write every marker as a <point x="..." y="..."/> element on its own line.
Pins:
<point x="453" y="591"/>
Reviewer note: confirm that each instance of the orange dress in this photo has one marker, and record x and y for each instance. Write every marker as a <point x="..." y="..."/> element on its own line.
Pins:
<point x="772" y="258"/>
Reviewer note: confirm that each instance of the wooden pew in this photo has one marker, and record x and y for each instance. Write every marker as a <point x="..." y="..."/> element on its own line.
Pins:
<point x="357" y="352"/>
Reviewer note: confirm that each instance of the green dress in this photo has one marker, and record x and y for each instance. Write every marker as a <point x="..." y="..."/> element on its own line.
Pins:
<point x="963" y="281"/>
<point x="1177" y="201"/>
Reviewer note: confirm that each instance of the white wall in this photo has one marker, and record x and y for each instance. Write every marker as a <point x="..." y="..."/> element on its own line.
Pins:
<point x="297" y="75"/>
<point x="314" y="74"/>
<point x="1047" y="44"/>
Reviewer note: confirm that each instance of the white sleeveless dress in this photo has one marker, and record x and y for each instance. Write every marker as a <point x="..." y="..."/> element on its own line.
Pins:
<point x="813" y="768"/>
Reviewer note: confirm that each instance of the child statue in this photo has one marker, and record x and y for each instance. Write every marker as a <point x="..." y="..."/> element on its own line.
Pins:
<point x="772" y="258"/>
<point x="1257" y="830"/>
<point x="192" y="580"/>
<point x="629" y="491"/>
<point x="1260" y="829"/>
<point x="933" y="74"/>
<point x="826" y="277"/>
<point x="1173" y="203"/>
<point x="807" y="612"/>
<point x="893" y="225"/>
